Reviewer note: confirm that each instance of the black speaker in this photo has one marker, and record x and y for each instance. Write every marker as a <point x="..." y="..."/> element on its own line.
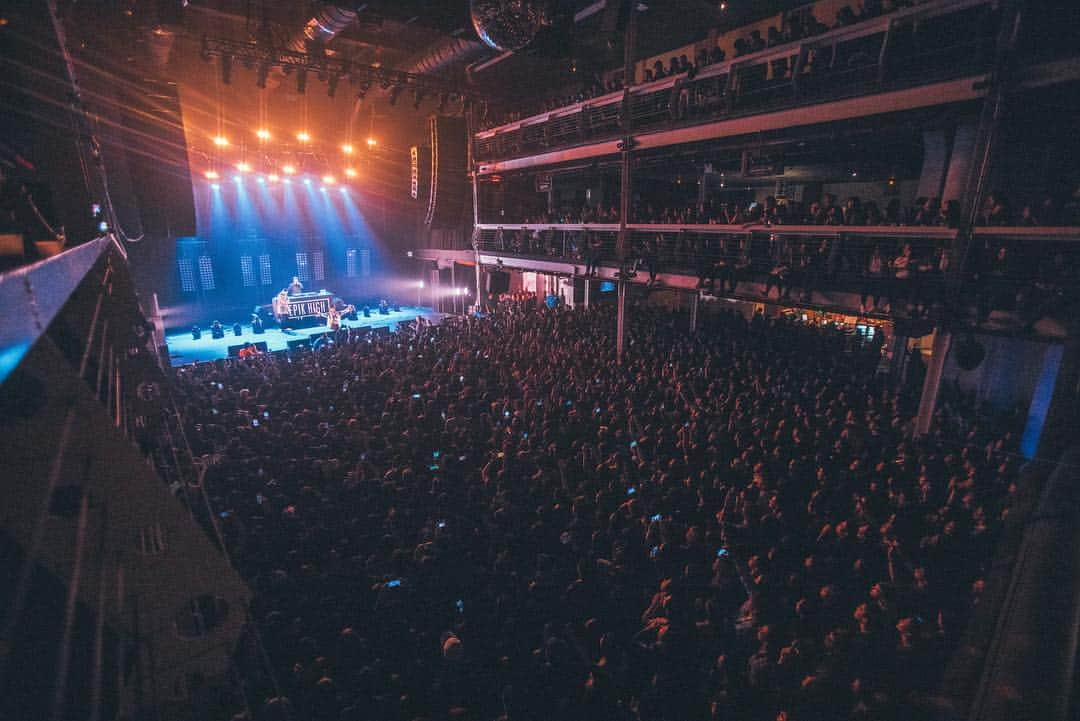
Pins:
<point x="498" y="281"/>
<point x="969" y="353"/>
<point x="449" y="171"/>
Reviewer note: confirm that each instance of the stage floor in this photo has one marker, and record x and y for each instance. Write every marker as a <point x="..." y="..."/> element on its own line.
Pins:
<point x="183" y="350"/>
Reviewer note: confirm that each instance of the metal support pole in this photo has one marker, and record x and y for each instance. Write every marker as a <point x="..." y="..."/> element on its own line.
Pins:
<point x="932" y="382"/>
<point x="588" y="287"/>
<point x="470" y="130"/>
<point x="625" y="186"/>
<point x="695" y="300"/>
<point x="620" y="323"/>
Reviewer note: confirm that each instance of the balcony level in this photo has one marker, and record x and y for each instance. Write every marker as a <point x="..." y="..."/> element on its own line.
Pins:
<point x="1013" y="279"/>
<point x="934" y="54"/>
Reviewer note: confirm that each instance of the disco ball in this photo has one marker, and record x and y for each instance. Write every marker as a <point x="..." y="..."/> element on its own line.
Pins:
<point x="508" y="24"/>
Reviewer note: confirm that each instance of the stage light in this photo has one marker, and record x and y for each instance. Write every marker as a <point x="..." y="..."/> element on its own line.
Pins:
<point x="226" y="69"/>
<point x="350" y="173"/>
<point x="262" y="74"/>
<point x="103" y="227"/>
<point x="347" y="148"/>
<point x="328" y="179"/>
<point x="243" y="167"/>
<point x="262" y="134"/>
<point x="322" y="188"/>
<point x="287" y="181"/>
<point x="303" y="136"/>
<point x="372" y="142"/>
<point x="237" y="178"/>
<point x="221" y="141"/>
<point x="273" y="177"/>
<point x="420" y="284"/>
<point x="261" y="180"/>
<point x="215" y="186"/>
<point x="211" y="175"/>
<point x="307" y="181"/>
<point x="344" y="190"/>
<point x="288" y="169"/>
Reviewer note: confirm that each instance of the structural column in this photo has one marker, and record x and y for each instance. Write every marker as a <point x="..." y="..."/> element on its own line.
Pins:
<point x="695" y="300"/>
<point x="626" y="185"/>
<point x="932" y="384"/>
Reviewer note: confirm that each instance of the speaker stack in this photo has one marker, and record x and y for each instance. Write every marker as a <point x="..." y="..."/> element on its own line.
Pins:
<point x="449" y="172"/>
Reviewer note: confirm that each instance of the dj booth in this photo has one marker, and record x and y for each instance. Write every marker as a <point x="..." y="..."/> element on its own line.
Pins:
<point x="307" y="307"/>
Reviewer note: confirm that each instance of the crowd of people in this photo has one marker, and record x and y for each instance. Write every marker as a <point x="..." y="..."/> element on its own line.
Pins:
<point x="494" y="519"/>
<point x="998" y="211"/>
<point x="797" y="26"/>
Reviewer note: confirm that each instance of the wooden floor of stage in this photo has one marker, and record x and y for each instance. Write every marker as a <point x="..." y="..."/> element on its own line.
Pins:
<point x="183" y="349"/>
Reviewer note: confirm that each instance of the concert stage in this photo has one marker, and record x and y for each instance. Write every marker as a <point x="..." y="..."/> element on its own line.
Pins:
<point x="183" y="349"/>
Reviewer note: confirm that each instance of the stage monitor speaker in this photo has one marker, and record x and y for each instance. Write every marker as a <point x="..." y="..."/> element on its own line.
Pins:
<point x="498" y="281"/>
<point x="449" y="171"/>
<point x="299" y="343"/>
<point x="234" y="350"/>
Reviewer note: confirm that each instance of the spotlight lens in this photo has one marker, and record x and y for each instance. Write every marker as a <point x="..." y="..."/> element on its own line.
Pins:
<point x="328" y="179"/>
<point x="236" y="178"/>
<point x="289" y="169"/>
<point x="347" y="149"/>
<point x="307" y="181"/>
<point x="220" y="141"/>
<point x="215" y="186"/>
<point x="211" y="175"/>
<point x="261" y="180"/>
<point x="350" y="173"/>
<point x="262" y="134"/>
<point x="243" y="167"/>
<point x="273" y="177"/>
<point x="372" y="142"/>
<point x="303" y="136"/>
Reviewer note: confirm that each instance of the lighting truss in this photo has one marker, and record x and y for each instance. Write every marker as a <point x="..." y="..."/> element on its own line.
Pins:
<point x="327" y="66"/>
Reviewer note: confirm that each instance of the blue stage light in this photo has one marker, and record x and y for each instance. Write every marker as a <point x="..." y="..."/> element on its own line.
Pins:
<point x="261" y="180"/>
<point x="344" y="190"/>
<point x="307" y="181"/>
<point x="287" y="181"/>
<point x="322" y="188"/>
<point x="215" y="186"/>
<point x="237" y="178"/>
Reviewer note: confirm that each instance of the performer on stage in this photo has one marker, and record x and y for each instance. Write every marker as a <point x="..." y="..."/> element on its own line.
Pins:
<point x="280" y="306"/>
<point x="296" y="287"/>
<point x="334" y="316"/>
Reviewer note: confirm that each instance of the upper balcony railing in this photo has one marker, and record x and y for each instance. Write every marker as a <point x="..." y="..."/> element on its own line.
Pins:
<point x="931" y="42"/>
<point x="910" y="270"/>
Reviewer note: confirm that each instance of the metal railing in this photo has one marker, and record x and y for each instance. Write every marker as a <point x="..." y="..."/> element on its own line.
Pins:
<point x="913" y="46"/>
<point x="890" y="267"/>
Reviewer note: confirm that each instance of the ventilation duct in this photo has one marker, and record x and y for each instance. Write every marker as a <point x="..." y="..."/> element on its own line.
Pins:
<point x="444" y="53"/>
<point x="322" y="28"/>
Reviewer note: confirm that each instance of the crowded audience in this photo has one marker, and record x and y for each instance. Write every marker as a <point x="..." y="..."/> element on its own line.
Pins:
<point x="493" y="519"/>
<point x="797" y="26"/>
